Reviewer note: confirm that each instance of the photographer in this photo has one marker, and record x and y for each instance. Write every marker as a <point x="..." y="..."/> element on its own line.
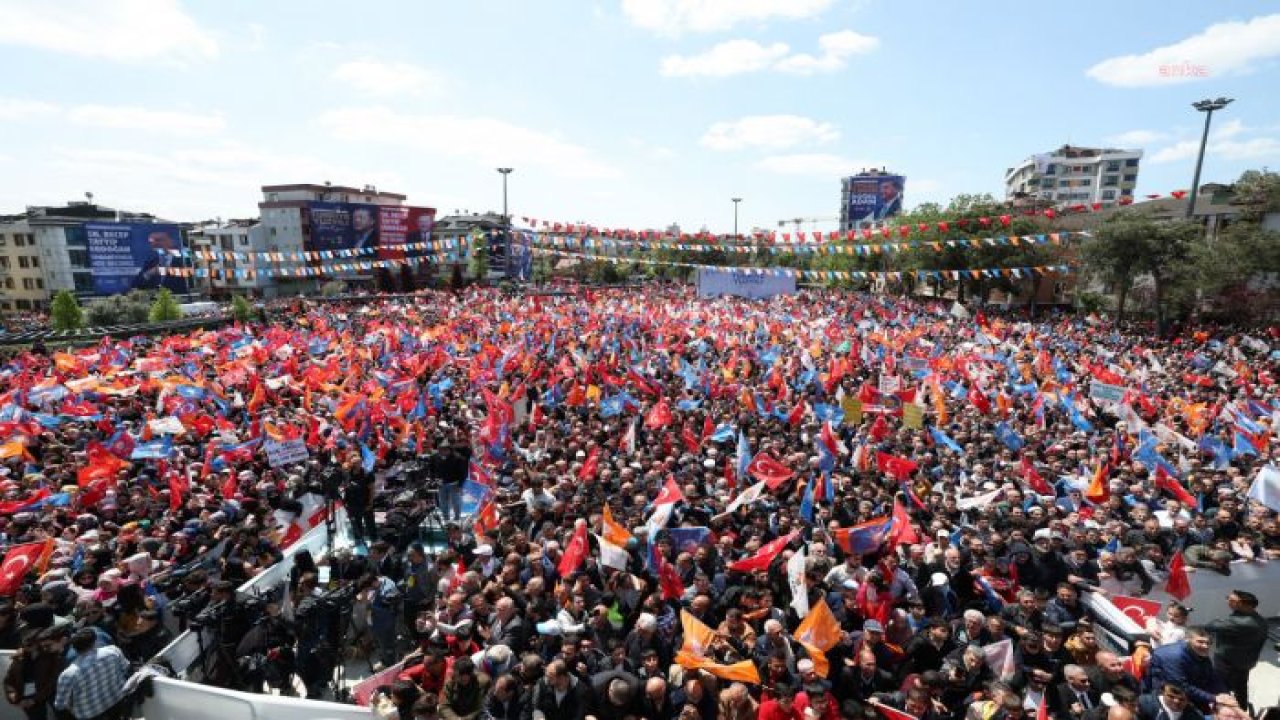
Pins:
<point x="266" y="652"/>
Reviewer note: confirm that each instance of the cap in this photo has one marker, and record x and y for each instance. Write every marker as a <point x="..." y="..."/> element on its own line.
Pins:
<point x="939" y="579"/>
<point x="872" y="626"/>
<point x="805" y="665"/>
<point x="484" y="550"/>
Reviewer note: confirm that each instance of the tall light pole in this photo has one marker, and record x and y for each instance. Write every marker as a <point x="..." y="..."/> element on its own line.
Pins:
<point x="505" y="172"/>
<point x="735" y="216"/>
<point x="1207" y="107"/>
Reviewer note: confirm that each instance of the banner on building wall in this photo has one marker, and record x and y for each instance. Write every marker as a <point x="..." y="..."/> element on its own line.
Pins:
<point x="874" y="199"/>
<point x="134" y="256"/>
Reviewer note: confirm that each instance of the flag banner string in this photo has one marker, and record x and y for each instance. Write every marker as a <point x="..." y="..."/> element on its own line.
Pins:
<point x="598" y="242"/>
<point x="1012" y="272"/>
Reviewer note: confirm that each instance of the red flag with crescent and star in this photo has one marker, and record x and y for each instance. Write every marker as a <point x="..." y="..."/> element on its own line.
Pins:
<point x="20" y="560"/>
<point x="1139" y="610"/>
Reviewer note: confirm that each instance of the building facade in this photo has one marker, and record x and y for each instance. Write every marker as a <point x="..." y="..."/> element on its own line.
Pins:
<point x="22" y="272"/>
<point x="1068" y="176"/>
<point x="238" y="268"/>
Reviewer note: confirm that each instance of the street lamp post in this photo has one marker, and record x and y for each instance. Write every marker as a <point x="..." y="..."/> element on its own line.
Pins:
<point x="505" y="172"/>
<point x="735" y="216"/>
<point x="1207" y="107"/>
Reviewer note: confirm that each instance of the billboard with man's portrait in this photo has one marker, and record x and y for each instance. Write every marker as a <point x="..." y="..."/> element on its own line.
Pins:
<point x="873" y="199"/>
<point x="134" y="256"/>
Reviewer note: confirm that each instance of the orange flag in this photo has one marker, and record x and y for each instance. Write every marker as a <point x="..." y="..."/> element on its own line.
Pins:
<point x="697" y="641"/>
<point x="614" y="531"/>
<point x="1099" y="491"/>
<point x="818" y="633"/>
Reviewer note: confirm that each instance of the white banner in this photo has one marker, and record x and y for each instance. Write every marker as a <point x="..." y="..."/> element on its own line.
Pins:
<point x="284" y="453"/>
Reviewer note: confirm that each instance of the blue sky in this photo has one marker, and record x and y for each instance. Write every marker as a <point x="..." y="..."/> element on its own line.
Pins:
<point x="620" y="113"/>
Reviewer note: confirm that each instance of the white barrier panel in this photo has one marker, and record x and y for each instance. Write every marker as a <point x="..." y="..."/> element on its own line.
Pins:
<point x="179" y="700"/>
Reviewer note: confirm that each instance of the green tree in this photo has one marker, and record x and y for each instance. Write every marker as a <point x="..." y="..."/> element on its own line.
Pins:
<point x="165" y="308"/>
<point x="1131" y="244"/>
<point x="241" y="310"/>
<point x="65" y="313"/>
<point x="478" y="267"/>
<point x="1115" y="253"/>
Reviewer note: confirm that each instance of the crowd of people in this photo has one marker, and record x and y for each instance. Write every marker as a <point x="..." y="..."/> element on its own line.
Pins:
<point x="635" y="503"/>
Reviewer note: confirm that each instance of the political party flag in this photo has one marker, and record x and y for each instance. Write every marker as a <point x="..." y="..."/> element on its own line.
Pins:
<point x="765" y="555"/>
<point x="941" y="438"/>
<point x="1266" y="487"/>
<point x="744" y="671"/>
<point x="669" y="580"/>
<point x="806" y="501"/>
<point x="864" y="538"/>
<point x="1034" y="479"/>
<point x="1099" y="490"/>
<point x="746" y="497"/>
<point x="795" y="581"/>
<point x="1008" y="436"/>
<point x="614" y="531"/>
<point x="982" y="500"/>
<point x="154" y="450"/>
<point x="670" y="493"/>
<point x="818" y="632"/>
<point x="999" y="657"/>
<point x="899" y="468"/>
<point x="1178" y="585"/>
<point x="611" y="555"/>
<point x="698" y="636"/>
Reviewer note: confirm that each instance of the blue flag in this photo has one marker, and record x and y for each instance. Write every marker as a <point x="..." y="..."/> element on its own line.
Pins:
<point x="1006" y="435"/>
<point x="367" y="459"/>
<point x="945" y="440"/>
<point x="806" y="502"/>
<point x="724" y="433"/>
<point x="154" y="450"/>
<point x="744" y="457"/>
<point x="688" y="539"/>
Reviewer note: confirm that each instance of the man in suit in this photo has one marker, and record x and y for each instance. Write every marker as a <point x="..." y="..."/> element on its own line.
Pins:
<point x="559" y="695"/>
<point x="162" y="255"/>
<point x="1171" y="704"/>
<point x="890" y="199"/>
<point x="423" y="233"/>
<point x="1188" y="665"/>
<point x="1070" y="700"/>
<point x="364" y="227"/>
<point x="508" y="627"/>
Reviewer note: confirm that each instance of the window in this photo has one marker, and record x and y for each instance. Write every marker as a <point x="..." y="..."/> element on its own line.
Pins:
<point x="1131" y="162"/>
<point x="23" y="304"/>
<point x="244" y="239"/>
<point x="22" y="261"/>
<point x="8" y="283"/>
<point x="26" y="283"/>
<point x="1064" y="183"/>
<point x="79" y="258"/>
<point x="3" y="241"/>
<point x="35" y="261"/>
<point x="1086" y="182"/>
<point x="19" y="240"/>
<point x="1113" y="166"/>
<point x="1111" y="180"/>
<point x="1131" y="178"/>
<point x="1051" y="169"/>
<point x="1108" y="194"/>
<point x="31" y="239"/>
<point x="83" y="281"/>
<point x="1126" y="191"/>
<point x="4" y="263"/>
<point x="39" y="283"/>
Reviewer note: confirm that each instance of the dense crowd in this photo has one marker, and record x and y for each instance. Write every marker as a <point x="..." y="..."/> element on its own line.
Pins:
<point x="641" y="504"/>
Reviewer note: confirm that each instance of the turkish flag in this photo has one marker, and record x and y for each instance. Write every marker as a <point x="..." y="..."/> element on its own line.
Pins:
<point x="1034" y="479"/>
<point x="590" y="466"/>
<point x="692" y="442"/>
<point x="902" y="532"/>
<point x="178" y="487"/>
<point x="765" y="555"/>
<point x="670" y="492"/>
<point x="1179" y="585"/>
<point x="879" y="429"/>
<point x="896" y="467"/>
<point x="1138" y="609"/>
<point x="764" y="467"/>
<point x="669" y="580"/>
<point x="1174" y="488"/>
<point x="889" y="713"/>
<point x="659" y="417"/>
<point x="19" y="561"/>
<point x="980" y="401"/>
<point x="575" y="553"/>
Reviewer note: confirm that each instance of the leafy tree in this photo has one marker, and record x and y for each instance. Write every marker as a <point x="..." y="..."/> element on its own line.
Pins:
<point x="241" y="310"/>
<point x="1131" y="244"/>
<point x="165" y="308"/>
<point x="107" y="311"/>
<point x="65" y="313"/>
<point x="478" y="267"/>
<point x="1115" y="253"/>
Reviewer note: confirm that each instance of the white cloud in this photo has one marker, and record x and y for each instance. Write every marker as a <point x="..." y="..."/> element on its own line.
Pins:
<point x="257" y="36"/>
<point x="1136" y="138"/>
<point x="19" y="109"/>
<point x="120" y="30"/>
<point x="387" y="79"/>
<point x="836" y="48"/>
<point x="168" y="122"/>
<point x="818" y="164"/>
<point x="483" y="140"/>
<point x="1258" y="148"/>
<point x="733" y="57"/>
<point x="776" y="132"/>
<point x="673" y="17"/>
<point x="1227" y="48"/>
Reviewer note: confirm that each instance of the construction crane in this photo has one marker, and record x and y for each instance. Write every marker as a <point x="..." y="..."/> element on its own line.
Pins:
<point x="811" y="220"/>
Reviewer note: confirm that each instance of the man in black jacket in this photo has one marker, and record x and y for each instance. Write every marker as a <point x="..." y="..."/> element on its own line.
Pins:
<point x="1238" y="641"/>
<point x="559" y="695"/>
